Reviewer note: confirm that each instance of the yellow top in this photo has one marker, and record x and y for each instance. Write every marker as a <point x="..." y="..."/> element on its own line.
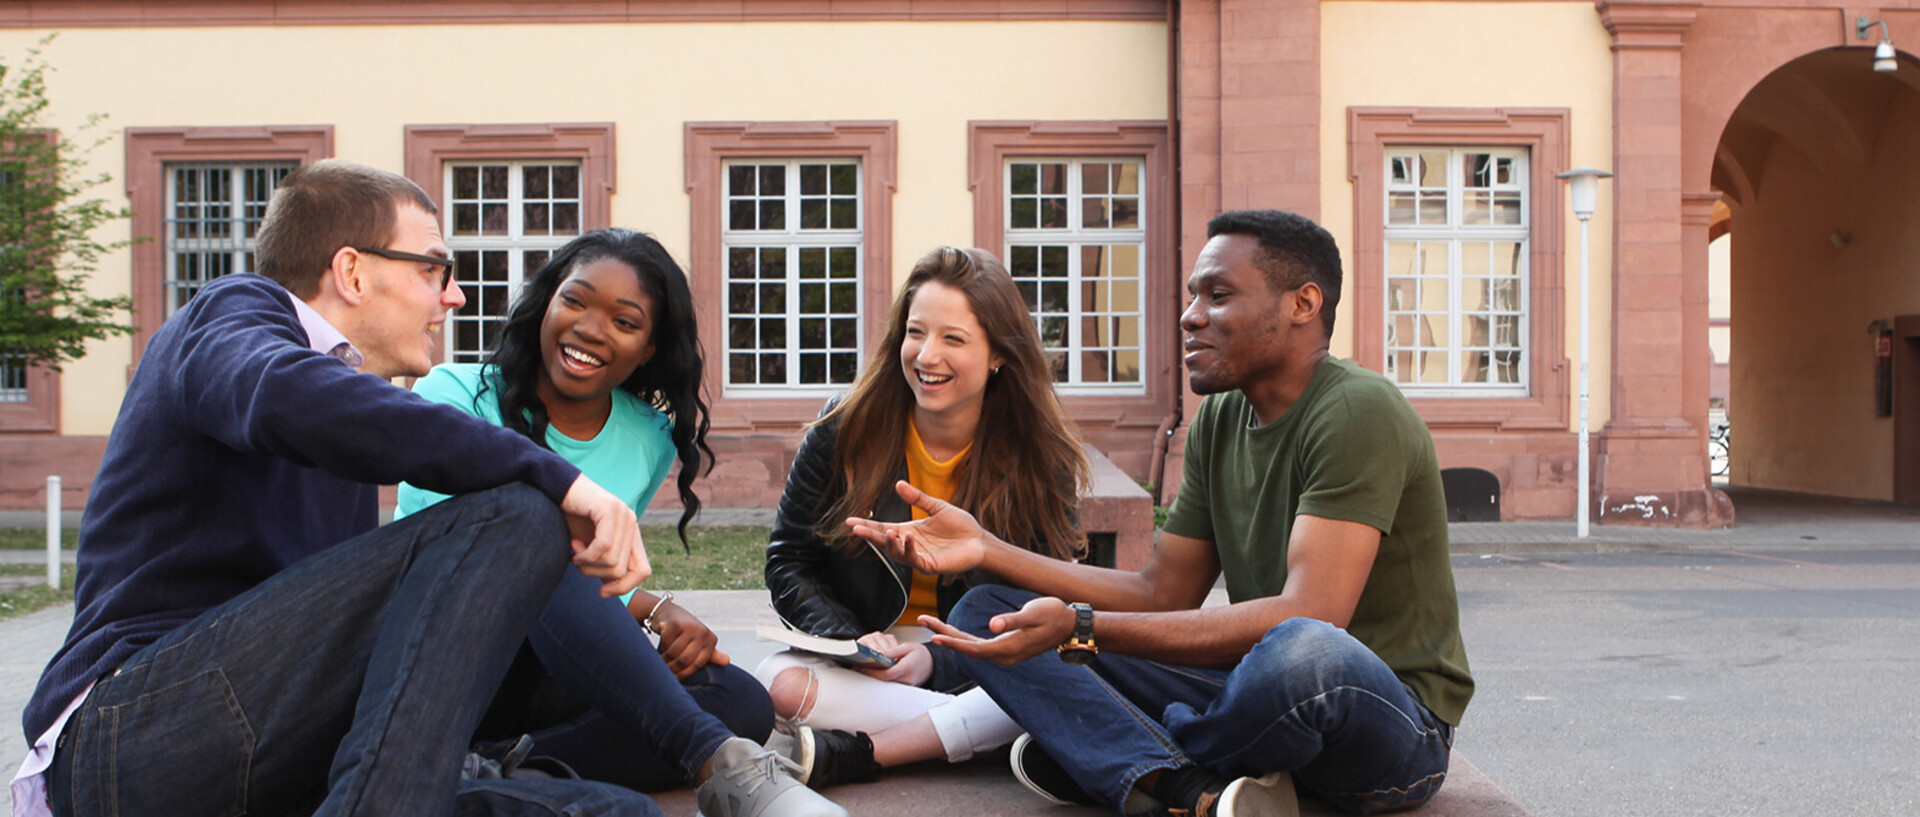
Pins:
<point x="936" y="479"/>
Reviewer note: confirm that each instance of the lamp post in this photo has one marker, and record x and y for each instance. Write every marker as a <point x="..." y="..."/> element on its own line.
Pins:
<point x="1584" y="183"/>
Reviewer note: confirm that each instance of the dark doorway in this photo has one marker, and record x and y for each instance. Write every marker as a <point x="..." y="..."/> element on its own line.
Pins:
<point x="1473" y="494"/>
<point x="1906" y="408"/>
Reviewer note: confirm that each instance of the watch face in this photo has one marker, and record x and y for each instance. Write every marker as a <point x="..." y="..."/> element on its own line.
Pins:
<point x="1077" y="656"/>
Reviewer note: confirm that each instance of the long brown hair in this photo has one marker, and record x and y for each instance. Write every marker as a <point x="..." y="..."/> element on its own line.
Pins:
<point x="1023" y="480"/>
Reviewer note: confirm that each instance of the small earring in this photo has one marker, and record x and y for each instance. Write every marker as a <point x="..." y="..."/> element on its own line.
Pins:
<point x="993" y="371"/>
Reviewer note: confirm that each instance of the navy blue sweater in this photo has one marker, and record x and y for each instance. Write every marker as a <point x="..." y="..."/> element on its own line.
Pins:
<point x="238" y="452"/>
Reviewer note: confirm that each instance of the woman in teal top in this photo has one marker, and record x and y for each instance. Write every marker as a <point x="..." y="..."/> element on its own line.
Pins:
<point x="600" y="361"/>
<point x="630" y="456"/>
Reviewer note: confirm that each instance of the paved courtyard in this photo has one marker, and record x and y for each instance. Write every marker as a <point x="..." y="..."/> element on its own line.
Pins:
<point x="1762" y="670"/>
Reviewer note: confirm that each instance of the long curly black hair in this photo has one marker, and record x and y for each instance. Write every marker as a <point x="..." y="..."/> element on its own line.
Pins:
<point x="669" y="381"/>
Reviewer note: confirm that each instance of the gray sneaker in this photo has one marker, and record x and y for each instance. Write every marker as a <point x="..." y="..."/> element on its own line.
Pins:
<point x="751" y="781"/>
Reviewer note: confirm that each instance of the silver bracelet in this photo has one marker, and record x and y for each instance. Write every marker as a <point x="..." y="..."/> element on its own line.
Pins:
<point x="647" y="623"/>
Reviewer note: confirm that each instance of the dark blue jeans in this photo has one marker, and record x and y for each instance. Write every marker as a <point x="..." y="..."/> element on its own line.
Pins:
<point x="349" y="683"/>
<point x="595" y="693"/>
<point x="1307" y="699"/>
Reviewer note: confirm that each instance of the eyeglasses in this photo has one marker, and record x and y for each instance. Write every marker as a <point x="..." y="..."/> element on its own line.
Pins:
<point x="445" y="264"/>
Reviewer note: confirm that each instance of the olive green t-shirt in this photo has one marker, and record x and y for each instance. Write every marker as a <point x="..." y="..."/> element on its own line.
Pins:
<point x="1352" y="449"/>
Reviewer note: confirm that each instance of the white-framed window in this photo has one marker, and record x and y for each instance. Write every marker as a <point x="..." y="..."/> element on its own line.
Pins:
<point x="13" y="368"/>
<point x="502" y="220"/>
<point x="792" y="235"/>
<point x="213" y="217"/>
<point x="13" y="381"/>
<point x="1457" y="230"/>
<point x="1076" y="236"/>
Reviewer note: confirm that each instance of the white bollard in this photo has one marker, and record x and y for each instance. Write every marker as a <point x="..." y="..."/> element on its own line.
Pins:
<point x="53" y="532"/>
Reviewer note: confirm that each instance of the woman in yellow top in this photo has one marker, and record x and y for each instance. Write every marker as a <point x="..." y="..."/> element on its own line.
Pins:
<point x="959" y="401"/>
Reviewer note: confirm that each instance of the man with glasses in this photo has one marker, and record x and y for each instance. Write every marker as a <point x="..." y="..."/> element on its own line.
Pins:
<point x="245" y="639"/>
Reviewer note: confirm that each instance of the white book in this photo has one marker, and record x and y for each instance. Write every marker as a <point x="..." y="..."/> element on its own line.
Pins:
<point x="844" y="650"/>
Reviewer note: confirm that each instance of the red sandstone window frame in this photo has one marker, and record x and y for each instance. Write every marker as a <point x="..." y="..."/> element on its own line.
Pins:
<point x="875" y="144"/>
<point x="992" y="143"/>
<point x="1544" y="133"/>
<point x="430" y="147"/>
<point x="150" y="150"/>
<point x="41" y="410"/>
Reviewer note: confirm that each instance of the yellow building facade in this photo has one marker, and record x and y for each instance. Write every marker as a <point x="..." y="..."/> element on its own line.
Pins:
<point x="798" y="155"/>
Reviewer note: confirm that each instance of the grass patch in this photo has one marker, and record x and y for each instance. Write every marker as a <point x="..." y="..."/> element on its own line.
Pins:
<point x="37" y="569"/>
<point x="723" y="558"/>
<point x="36" y="538"/>
<point x="35" y="597"/>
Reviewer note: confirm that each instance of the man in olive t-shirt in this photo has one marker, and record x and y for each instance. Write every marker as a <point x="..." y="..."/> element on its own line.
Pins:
<point x="1310" y="484"/>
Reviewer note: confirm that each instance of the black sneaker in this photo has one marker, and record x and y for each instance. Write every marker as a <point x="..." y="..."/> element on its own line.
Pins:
<point x="828" y="757"/>
<point x="1042" y="775"/>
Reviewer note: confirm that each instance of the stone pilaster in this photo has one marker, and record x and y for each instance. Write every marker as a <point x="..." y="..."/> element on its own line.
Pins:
<point x="1650" y="460"/>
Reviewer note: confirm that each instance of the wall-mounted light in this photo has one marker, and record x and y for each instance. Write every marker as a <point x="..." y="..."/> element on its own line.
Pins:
<point x="1883" y="61"/>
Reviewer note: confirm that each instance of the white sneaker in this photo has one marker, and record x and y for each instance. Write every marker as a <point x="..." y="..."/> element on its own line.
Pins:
<point x="751" y="781"/>
<point x="1266" y="796"/>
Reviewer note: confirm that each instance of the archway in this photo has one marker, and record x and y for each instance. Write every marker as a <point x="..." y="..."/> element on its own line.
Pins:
<point x="1816" y="168"/>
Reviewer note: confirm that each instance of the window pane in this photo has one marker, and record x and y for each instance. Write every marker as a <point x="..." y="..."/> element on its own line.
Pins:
<point x="493" y="182"/>
<point x="1053" y="213"/>
<point x="1026" y="214"/>
<point x="844" y="214"/>
<point x="466" y="182"/>
<point x="1093" y="179"/>
<point x="1024" y="179"/>
<point x="1400" y="208"/>
<point x="566" y="181"/>
<point x="1093" y="213"/>
<point x="1053" y="179"/>
<point x="740" y="180"/>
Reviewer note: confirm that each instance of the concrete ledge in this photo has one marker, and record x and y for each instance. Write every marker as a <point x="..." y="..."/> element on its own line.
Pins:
<point x="1117" y="515"/>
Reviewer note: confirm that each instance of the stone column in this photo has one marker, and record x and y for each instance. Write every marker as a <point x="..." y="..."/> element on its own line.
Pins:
<point x="1650" y="461"/>
<point x="1248" y="78"/>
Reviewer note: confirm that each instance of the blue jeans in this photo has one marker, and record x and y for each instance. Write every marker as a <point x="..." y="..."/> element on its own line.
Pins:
<point x="1307" y="699"/>
<point x="594" y="692"/>
<point x="349" y="683"/>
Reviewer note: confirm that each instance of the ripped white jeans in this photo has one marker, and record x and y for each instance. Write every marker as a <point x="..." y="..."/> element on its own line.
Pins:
<point x="847" y="699"/>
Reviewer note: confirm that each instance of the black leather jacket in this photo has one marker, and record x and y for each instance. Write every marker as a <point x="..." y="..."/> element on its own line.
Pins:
<point x="820" y="590"/>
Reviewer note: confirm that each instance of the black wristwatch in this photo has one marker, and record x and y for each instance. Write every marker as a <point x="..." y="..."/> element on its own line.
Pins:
<point x="1079" y="648"/>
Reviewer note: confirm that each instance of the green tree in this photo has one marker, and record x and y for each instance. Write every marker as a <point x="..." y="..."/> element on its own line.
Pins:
<point x="47" y="226"/>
